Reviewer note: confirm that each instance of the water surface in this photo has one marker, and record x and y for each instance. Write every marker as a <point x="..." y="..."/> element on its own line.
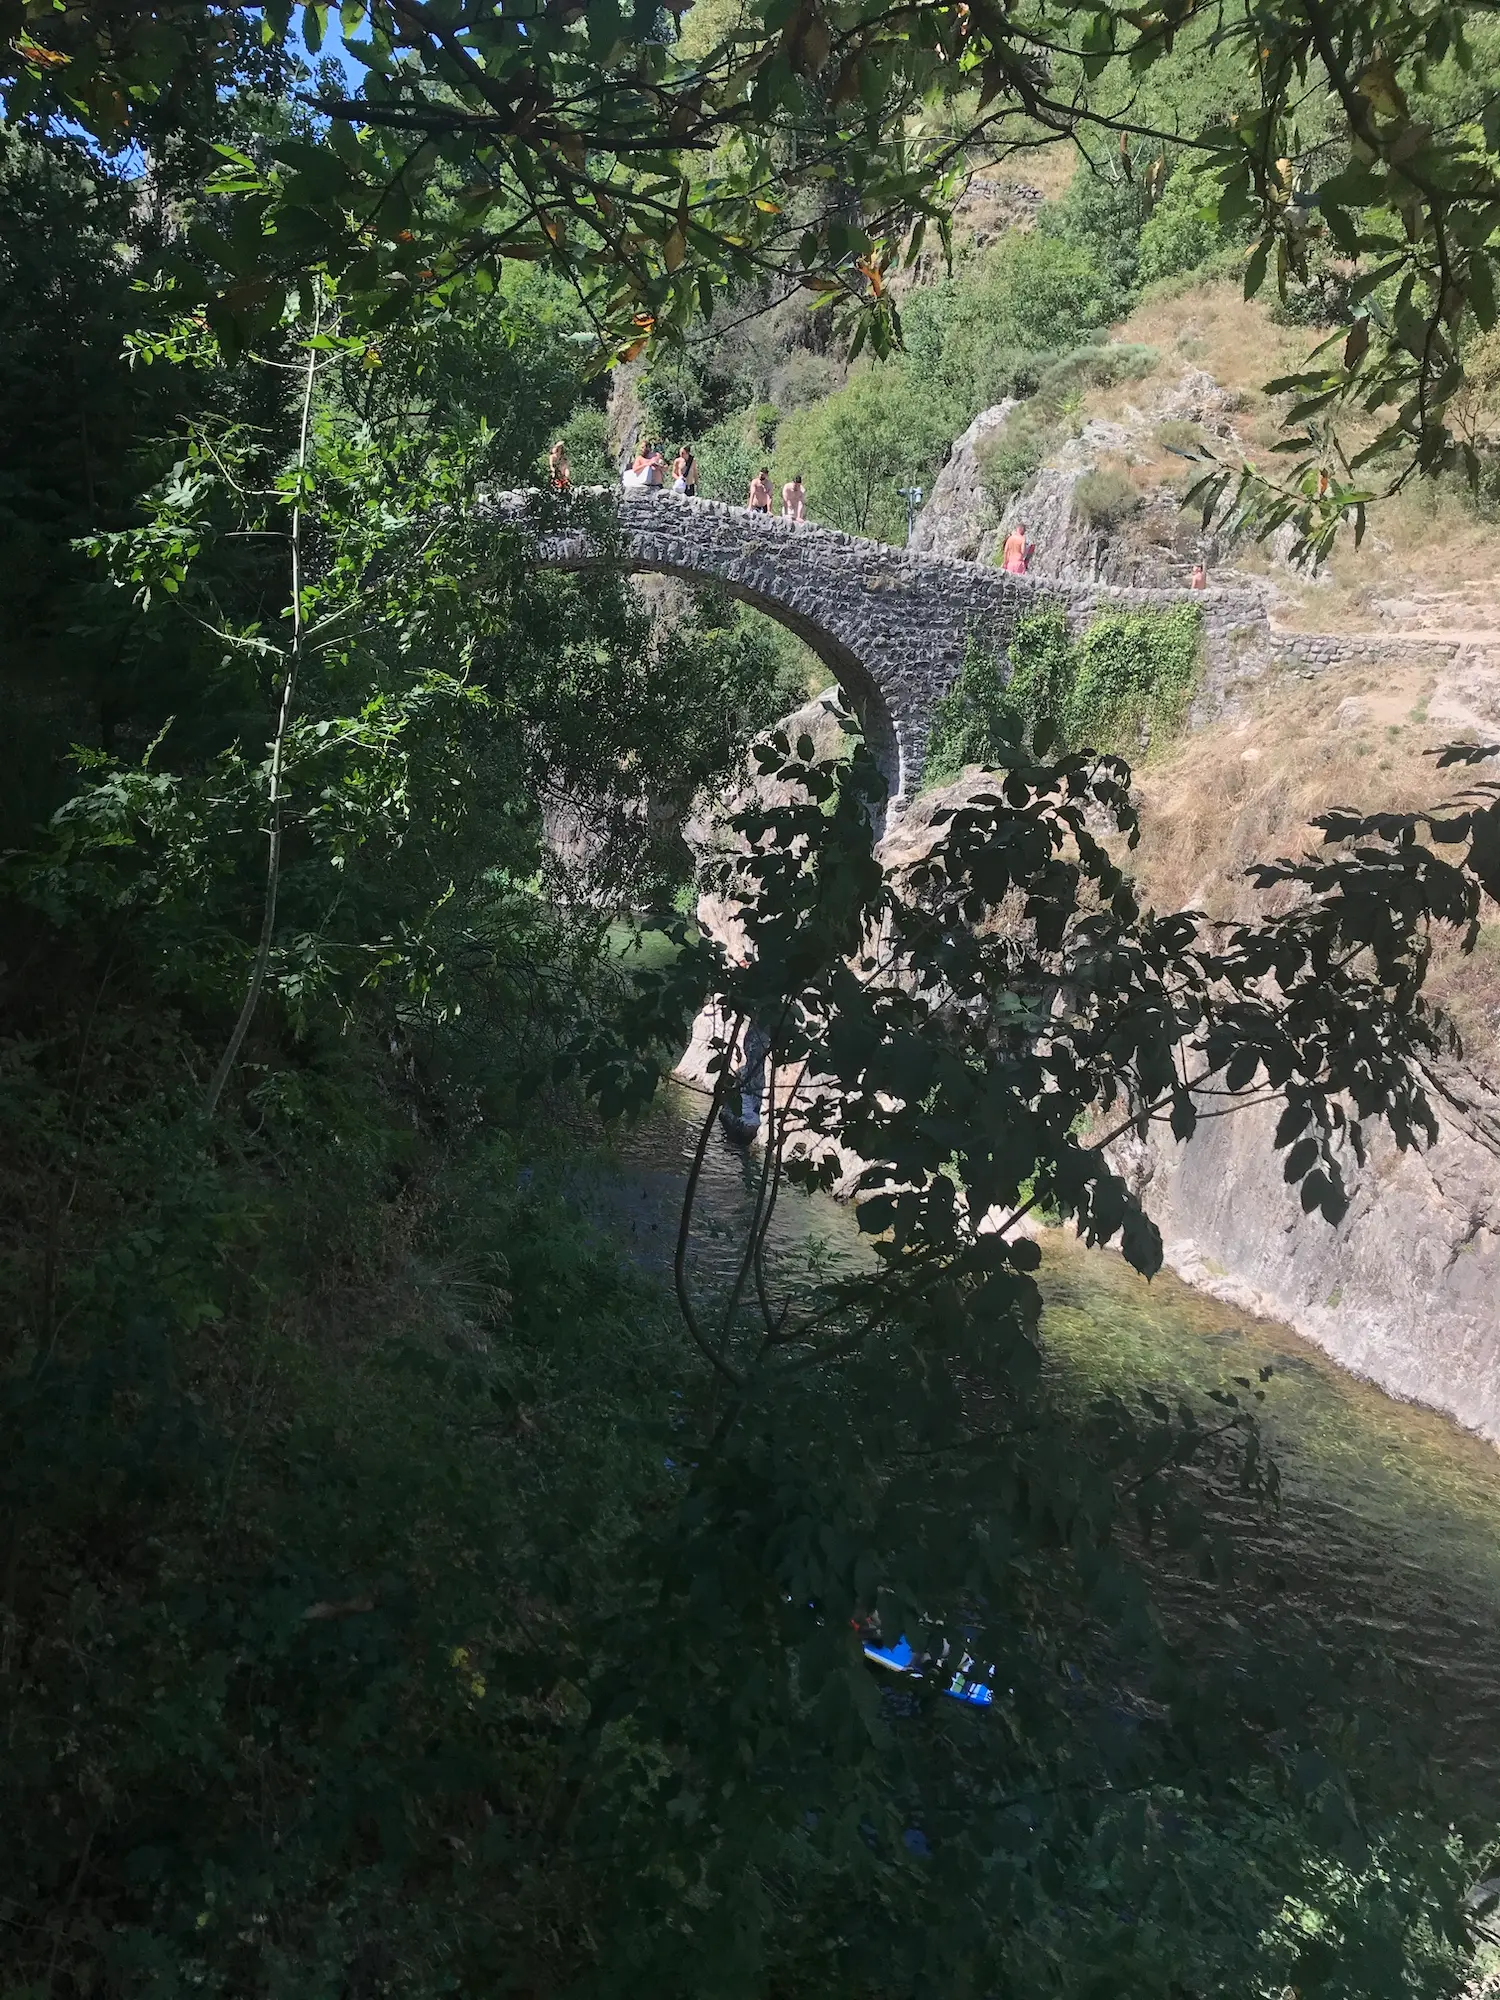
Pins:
<point x="1387" y="1539"/>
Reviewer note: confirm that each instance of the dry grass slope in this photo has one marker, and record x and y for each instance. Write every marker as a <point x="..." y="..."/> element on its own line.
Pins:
<point x="1429" y="560"/>
<point x="1245" y="788"/>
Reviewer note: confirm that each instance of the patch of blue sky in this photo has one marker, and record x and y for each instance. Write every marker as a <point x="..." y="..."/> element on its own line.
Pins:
<point x="129" y="160"/>
<point x="335" y="49"/>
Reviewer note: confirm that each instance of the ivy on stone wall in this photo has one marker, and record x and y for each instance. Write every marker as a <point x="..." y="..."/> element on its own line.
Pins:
<point x="1133" y="676"/>
<point x="1125" y="683"/>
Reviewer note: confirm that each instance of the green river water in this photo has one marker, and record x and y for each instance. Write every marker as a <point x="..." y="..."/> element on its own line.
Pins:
<point x="1387" y="1539"/>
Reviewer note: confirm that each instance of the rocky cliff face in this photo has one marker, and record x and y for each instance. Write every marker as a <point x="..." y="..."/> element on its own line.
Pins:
<point x="959" y="519"/>
<point x="824" y="720"/>
<point x="1405" y="1291"/>
<point x="1156" y="545"/>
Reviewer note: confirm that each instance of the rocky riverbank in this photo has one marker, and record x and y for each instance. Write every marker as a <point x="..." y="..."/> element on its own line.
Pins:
<point x="1405" y="1291"/>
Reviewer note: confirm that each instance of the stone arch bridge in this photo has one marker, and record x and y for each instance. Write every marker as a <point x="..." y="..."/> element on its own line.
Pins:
<point x="891" y="624"/>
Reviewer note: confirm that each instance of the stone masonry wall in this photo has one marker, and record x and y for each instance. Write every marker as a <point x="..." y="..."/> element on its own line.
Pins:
<point x="1333" y="649"/>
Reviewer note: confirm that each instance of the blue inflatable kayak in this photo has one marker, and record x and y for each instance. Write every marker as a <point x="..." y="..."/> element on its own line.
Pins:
<point x="966" y="1685"/>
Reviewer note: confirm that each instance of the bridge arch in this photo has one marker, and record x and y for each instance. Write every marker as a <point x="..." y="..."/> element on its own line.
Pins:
<point x="889" y="625"/>
<point x="888" y="734"/>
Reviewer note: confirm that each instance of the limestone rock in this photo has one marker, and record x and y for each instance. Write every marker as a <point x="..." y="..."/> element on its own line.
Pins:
<point x="1405" y="1291"/>
<point x="707" y="830"/>
<point x="1196" y="398"/>
<point x="1159" y="543"/>
<point x="959" y="519"/>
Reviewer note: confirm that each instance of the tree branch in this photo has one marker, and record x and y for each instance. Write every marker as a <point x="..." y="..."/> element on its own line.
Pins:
<point x="285" y="712"/>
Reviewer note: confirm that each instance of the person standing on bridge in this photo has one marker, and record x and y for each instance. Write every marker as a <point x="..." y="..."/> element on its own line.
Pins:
<point x="1016" y="555"/>
<point x="685" y="474"/>
<point x="655" y="473"/>
<point x="558" y="469"/>
<point x="759" y="501"/>
<point x="793" y="500"/>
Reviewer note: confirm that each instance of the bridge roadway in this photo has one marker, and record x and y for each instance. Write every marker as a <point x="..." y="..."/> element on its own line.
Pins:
<point x="891" y="624"/>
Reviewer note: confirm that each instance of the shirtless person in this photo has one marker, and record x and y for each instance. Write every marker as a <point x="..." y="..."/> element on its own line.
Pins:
<point x="1017" y="551"/>
<point x="793" y="499"/>
<point x="759" y="500"/>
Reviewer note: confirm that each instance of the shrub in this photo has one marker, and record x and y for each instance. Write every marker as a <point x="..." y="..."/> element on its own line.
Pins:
<point x="805" y="378"/>
<point x="1102" y="211"/>
<point x="970" y="371"/>
<point x="1010" y="456"/>
<point x="1042" y="670"/>
<point x="586" y="435"/>
<point x="1039" y="293"/>
<point x="988" y="332"/>
<point x="727" y="461"/>
<point x="1178" y="434"/>
<point x="1096" y="368"/>
<point x="1130" y="675"/>
<point x="990" y="709"/>
<point x="688" y="391"/>
<point x="974" y="723"/>
<point x="1183" y="230"/>
<point x="1104" y="498"/>
<point x="885" y="428"/>
<point x="1133" y="673"/>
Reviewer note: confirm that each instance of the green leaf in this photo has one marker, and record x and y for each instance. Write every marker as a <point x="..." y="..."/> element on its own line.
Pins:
<point x="604" y="26"/>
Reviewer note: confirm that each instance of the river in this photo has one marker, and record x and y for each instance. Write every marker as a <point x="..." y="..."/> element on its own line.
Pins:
<point x="1387" y="1539"/>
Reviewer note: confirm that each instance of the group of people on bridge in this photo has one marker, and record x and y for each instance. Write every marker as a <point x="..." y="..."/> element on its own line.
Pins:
<point x="647" y="473"/>
<point x="793" y="498"/>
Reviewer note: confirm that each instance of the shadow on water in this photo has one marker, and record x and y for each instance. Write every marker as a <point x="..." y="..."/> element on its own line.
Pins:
<point x="1387" y="1540"/>
<point x="635" y="1195"/>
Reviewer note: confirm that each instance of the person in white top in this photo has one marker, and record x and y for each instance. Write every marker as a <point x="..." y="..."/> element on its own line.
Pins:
<point x="793" y="499"/>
